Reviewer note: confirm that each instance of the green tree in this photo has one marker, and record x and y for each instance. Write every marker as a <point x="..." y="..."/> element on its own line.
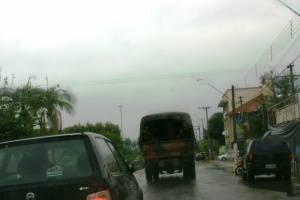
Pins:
<point x="253" y="126"/>
<point x="52" y="102"/>
<point x="216" y="127"/>
<point x="18" y="112"/>
<point x="109" y="130"/>
<point x="24" y="108"/>
<point x="203" y="146"/>
<point x="279" y="86"/>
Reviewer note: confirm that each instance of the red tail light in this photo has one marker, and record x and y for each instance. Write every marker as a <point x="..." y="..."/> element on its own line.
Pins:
<point x="250" y="156"/>
<point x="103" y="195"/>
<point x="145" y="155"/>
<point x="290" y="156"/>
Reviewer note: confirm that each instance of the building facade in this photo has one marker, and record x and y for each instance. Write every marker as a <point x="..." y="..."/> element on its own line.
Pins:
<point x="244" y="97"/>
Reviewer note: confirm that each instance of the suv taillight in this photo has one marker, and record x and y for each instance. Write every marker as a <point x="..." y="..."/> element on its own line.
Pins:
<point x="250" y="156"/>
<point x="290" y="156"/>
<point x="103" y="195"/>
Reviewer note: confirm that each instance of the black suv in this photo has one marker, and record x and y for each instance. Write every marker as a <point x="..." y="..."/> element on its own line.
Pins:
<point x="82" y="166"/>
<point x="267" y="156"/>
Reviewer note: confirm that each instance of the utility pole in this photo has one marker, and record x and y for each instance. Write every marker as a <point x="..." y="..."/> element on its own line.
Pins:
<point x="292" y="78"/>
<point x="241" y="101"/>
<point x="202" y="128"/>
<point x="12" y="80"/>
<point x="120" y="106"/>
<point x="234" y="124"/>
<point x="209" y="139"/>
<point x="293" y="93"/>
<point x="197" y="128"/>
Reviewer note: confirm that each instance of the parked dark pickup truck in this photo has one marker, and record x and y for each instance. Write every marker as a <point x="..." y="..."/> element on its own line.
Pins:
<point x="267" y="156"/>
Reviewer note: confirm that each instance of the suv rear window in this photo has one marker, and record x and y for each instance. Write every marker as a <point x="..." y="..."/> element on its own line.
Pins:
<point x="36" y="162"/>
<point x="269" y="145"/>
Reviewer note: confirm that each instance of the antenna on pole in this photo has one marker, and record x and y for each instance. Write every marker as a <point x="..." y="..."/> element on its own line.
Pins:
<point x="120" y="106"/>
<point x="12" y="80"/>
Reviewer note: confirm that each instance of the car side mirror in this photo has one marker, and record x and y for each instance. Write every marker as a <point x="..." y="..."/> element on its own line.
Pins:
<point x="137" y="165"/>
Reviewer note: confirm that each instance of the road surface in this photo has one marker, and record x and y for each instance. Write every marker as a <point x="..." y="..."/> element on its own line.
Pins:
<point x="217" y="180"/>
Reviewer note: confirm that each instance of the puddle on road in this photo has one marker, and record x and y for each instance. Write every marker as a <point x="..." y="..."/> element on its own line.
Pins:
<point x="225" y="168"/>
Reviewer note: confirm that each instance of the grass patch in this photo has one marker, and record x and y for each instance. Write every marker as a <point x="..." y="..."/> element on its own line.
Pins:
<point x="296" y="174"/>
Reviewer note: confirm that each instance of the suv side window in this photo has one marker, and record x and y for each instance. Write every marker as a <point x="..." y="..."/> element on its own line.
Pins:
<point x="108" y="156"/>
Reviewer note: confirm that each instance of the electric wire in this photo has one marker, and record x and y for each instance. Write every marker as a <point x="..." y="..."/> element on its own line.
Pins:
<point x="260" y="91"/>
<point x="277" y="46"/>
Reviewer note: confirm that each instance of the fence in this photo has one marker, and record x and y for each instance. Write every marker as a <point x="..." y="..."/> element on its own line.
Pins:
<point x="285" y="111"/>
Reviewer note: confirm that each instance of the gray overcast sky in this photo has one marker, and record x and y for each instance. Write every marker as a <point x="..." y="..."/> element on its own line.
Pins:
<point x="100" y="50"/>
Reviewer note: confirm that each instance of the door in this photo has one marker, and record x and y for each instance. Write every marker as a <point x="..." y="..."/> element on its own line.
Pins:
<point x="124" y="184"/>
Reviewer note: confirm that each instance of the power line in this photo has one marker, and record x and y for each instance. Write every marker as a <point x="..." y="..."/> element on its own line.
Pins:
<point x="152" y="78"/>
<point x="277" y="46"/>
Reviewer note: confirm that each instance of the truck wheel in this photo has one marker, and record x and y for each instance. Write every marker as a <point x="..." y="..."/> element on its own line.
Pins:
<point x="148" y="174"/>
<point x="155" y="175"/>
<point x="193" y="171"/>
<point x="186" y="172"/>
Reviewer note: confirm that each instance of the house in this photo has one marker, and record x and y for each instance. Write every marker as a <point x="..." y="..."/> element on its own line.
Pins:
<point x="246" y="99"/>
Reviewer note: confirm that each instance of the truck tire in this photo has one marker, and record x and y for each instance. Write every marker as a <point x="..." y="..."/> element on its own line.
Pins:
<point x="148" y="174"/>
<point x="155" y="175"/>
<point x="193" y="171"/>
<point x="186" y="172"/>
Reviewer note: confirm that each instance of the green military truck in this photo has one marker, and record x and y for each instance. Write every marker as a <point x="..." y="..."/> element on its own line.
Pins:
<point x="167" y="144"/>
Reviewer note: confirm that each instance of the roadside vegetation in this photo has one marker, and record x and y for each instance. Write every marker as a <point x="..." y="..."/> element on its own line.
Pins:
<point x="296" y="174"/>
<point x="30" y="111"/>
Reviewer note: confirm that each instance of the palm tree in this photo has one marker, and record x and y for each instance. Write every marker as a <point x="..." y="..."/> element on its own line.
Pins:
<point x="53" y="100"/>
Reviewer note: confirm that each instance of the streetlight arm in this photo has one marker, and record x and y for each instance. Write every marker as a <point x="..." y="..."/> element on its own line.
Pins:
<point x="199" y="79"/>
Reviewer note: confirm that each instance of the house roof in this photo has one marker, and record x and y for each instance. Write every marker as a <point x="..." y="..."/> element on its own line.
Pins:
<point x="251" y="105"/>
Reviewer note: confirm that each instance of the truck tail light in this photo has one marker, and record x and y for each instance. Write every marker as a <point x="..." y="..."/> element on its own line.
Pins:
<point x="290" y="156"/>
<point x="250" y="156"/>
<point x="102" y="195"/>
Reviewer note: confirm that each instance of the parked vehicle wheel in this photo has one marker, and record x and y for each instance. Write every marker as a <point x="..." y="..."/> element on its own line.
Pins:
<point x="148" y="174"/>
<point x="223" y="159"/>
<point x="250" y="176"/>
<point x="287" y="175"/>
<point x="238" y="170"/>
<point x="244" y="175"/>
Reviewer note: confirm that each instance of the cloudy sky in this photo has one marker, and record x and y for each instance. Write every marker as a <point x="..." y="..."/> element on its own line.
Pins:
<point x="145" y="55"/>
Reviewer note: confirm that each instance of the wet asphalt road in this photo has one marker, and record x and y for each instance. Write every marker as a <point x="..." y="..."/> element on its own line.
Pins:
<point x="217" y="180"/>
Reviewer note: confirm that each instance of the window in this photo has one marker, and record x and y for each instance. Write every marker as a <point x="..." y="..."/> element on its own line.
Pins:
<point x="42" y="161"/>
<point x="119" y="158"/>
<point x="108" y="157"/>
